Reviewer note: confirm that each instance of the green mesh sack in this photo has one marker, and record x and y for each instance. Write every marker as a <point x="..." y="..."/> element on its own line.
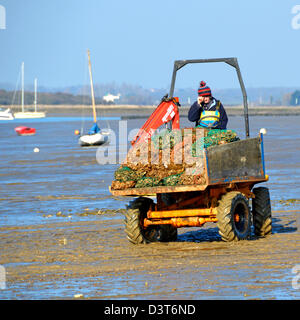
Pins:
<point x="125" y="174"/>
<point x="147" y="182"/>
<point x="222" y="134"/>
<point x="123" y="168"/>
<point x="172" y="180"/>
<point x="214" y="137"/>
<point x="211" y="141"/>
<point x="120" y="172"/>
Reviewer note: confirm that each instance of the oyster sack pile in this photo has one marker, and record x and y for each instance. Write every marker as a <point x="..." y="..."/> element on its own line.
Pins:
<point x="169" y="158"/>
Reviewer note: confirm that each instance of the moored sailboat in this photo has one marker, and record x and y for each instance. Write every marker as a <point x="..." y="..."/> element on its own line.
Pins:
<point x="95" y="136"/>
<point x="29" y="114"/>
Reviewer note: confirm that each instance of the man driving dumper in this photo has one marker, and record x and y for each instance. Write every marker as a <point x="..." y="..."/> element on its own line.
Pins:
<point x="207" y="112"/>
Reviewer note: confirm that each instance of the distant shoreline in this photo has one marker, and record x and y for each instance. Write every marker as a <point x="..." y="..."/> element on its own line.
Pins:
<point x="142" y="111"/>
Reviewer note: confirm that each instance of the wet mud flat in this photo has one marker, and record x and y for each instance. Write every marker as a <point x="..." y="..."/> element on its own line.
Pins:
<point x="94" y="260"/>
<point x="62" y="233"/>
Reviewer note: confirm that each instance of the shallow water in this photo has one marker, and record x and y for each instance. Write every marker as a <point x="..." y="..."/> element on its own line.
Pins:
<point x="64" y="182"/>
<point x="65" y="177"/>
<point x="62" y="176"/>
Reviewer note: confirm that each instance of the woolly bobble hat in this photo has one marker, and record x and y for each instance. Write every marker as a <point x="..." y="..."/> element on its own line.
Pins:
<point x="204" y="90"/>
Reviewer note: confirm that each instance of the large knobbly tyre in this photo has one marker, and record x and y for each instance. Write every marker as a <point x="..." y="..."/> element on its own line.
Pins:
<point x="135" y="231"/>
<point x="234" y="217"/>
<point x="261" y="210"/>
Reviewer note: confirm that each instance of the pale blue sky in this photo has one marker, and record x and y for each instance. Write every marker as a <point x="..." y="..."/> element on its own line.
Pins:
<point x="136" y="41"/>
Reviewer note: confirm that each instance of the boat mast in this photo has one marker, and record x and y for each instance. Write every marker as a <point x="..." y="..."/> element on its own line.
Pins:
<point x="92" y="87"/>
<point x="22" y="75"/>
<point x="35" y="95"/>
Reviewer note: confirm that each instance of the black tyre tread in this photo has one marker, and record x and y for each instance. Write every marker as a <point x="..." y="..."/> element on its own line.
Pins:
<point x="133" y="228"/>
<point x="224" y="216"/>
<point x="132" y="219"/>
<point x="262" y="213"/>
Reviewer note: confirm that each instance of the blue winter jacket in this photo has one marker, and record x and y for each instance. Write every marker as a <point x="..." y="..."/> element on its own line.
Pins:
<point x="196" y="110"/>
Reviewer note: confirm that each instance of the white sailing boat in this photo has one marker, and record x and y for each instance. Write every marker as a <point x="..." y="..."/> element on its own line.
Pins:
<point x="6" y="114"/>
<point x="96" y="136"/>
<point x="29" y="114"/>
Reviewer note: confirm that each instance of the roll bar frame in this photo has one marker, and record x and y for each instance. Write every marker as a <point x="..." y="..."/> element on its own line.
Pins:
<point x="178" y="64"/>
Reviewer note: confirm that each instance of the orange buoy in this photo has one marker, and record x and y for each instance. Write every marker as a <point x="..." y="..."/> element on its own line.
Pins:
<point x="77" y="132"/>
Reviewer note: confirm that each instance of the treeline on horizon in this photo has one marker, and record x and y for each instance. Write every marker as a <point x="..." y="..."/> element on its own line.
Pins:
<point x="62" y="98"/>
<point x="136" y="95"/>
<point x="58" y="98"/>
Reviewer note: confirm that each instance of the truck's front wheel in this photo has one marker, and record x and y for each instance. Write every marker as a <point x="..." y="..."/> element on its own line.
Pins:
<point x="234" y="217"/>
<point x="261" y="209"/>
<point x="134" y="224"/>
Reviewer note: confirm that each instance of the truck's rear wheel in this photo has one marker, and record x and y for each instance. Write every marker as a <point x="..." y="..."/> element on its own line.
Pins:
<point x="262" y="213"/>
<point x="134" y="226"/>
<point x="234" y="217"/>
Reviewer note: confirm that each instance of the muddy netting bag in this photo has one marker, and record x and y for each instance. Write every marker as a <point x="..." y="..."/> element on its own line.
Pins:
<point x="118" y="185"/>
<point x="213" y="137"/>
<point x="216" y="136"/>
<point x="124" y="174"/>
<point x="176" y="144"/>
<point x="171" y="180"/>
<point x="148" y="182"/>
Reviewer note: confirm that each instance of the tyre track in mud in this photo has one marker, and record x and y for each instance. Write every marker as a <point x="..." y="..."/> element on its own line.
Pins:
<point x="96" y="257"/>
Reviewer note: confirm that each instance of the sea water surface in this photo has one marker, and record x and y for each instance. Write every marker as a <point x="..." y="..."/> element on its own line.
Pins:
<point x="66" y="179"/>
